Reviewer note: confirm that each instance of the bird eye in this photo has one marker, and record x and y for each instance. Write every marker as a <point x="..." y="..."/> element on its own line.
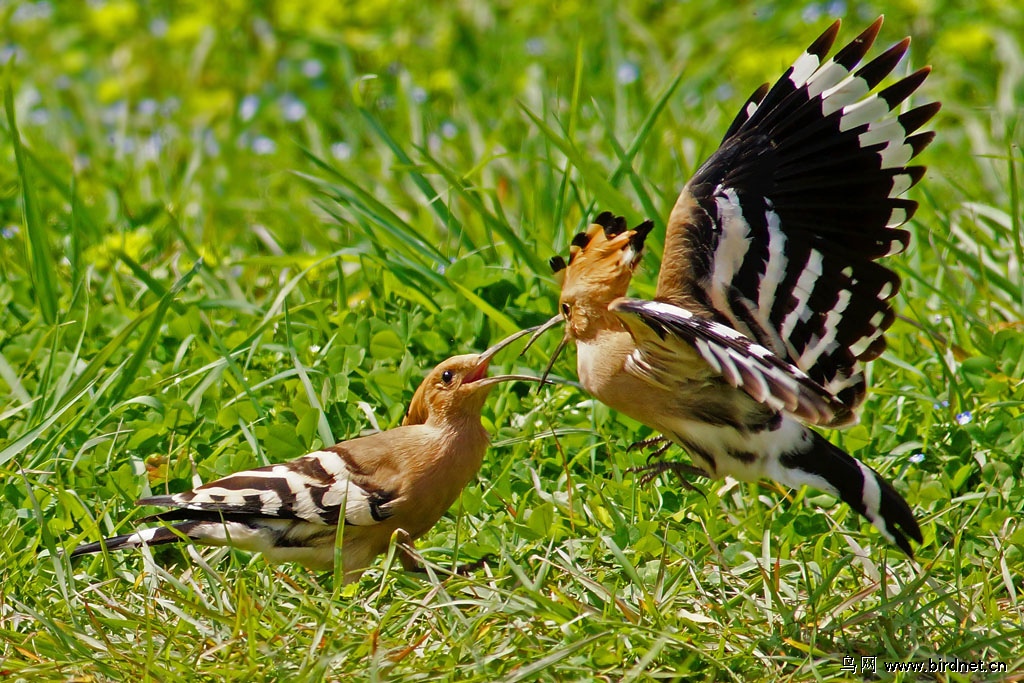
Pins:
<point x="566" y="310"/>
<point x="446" y="376"/>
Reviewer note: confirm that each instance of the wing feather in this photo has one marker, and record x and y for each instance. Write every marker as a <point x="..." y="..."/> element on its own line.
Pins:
<point x="664" y="332"/>
<point x="312" y="489"/>
<point x="778" y="233"/>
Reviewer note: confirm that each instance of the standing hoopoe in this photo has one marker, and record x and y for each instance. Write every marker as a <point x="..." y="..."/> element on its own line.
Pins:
<point x="398" y="481"/>
<point x="769" y="295"/>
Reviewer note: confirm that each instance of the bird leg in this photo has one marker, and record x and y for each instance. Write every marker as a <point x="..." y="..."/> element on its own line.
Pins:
<point x="655" y="467"/>
<point x="651" y="471"/>
<point x="407" y="555"/>
<point x="469" y="567"/>
<point x="413" y="562"/>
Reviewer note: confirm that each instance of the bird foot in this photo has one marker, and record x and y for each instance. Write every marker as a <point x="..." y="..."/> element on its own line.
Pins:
<point x="651" y="471"/>
<point x="661" y="441"/>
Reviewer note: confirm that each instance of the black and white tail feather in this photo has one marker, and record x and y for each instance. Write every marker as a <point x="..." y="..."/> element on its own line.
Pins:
<point x="786" y="451"/>
<point x="770" y="273"/>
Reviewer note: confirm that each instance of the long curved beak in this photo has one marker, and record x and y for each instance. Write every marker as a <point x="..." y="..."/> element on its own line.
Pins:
<point x="479" y="374"/>
<point x="488" y="381"/>
<point x="541" y="329"/>
<point x="538" y="331"/>
<point x="551" y="363"/>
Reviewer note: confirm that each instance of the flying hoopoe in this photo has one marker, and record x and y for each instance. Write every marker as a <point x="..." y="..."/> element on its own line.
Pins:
<point x="397" y="481"/>
<point x="769" y="296"/>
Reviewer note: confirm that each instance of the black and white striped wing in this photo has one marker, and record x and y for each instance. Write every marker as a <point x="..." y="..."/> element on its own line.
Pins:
<point x="778" y="233"/>
<point x="665" y="333"/>
<point x="314" y="489"/>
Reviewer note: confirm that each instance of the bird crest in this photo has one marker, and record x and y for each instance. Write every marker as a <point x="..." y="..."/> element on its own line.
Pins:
<point x="602" y="257"/>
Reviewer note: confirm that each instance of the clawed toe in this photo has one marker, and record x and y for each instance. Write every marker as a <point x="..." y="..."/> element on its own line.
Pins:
<point x="661" y="441"/>
<point x="638" y="445"/>
<point x="651" y="471"/>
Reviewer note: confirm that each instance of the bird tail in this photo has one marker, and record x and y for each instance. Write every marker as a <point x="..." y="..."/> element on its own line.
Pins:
<point x="821" y="464"/>
<point x="160" y="535"/>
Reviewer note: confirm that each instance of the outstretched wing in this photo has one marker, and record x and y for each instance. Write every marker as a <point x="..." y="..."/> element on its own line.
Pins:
<point x="666" y="334"/>
<point x="778" y="233"/>
<point x="314" y="489"/>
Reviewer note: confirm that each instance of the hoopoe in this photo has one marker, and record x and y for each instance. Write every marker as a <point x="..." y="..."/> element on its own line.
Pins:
<point x="399" y="481"/>
<point x="769" y="297"/>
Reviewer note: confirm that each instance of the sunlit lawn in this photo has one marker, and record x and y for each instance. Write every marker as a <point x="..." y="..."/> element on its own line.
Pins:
<point x="229" y="233"/>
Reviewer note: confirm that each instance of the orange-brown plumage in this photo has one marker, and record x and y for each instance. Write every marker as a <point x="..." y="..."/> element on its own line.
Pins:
<point x="770" y="296"/>
<point x="396" y="483"/>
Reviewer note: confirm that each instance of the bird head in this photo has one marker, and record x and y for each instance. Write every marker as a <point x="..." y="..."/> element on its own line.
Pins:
<point x="459" y="386"/>
<point x="600" y="265"/>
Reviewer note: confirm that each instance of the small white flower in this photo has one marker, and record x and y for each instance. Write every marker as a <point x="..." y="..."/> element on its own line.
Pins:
<point x="158" y="27"/>
<point x="148" y="107"/>
<point x="535" y="46"/>
<point x="151" y="148"/>
<point x="341" y="151"/>
<point x="292" y="108"/>
<point x="312" y="68"/>
<point x="39" y="117"/>
<point x="263" y="145"/>
<point x="964" y="417"/>
<point x="627" y="73"/>
<point x="210" y="144"/>
<point x="248" y="107"/>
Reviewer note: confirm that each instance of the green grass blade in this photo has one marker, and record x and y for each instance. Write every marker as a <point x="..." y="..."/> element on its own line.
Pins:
<point x="40" y="258"/>
<point x="131" y="370"/>
<point x="610" y="198"/>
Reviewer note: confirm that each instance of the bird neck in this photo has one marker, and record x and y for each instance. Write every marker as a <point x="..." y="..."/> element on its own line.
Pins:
<point x="463" y="441"/>
<point x="461" y="427"/>
<point x="593" y="320"/>
<point x="600" y="358"/>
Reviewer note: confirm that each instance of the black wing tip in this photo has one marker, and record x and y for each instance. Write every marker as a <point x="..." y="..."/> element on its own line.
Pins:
<point x="869" y="34"/>
<point x="851" y="53"/>
<point x="919" y="141"/>
<point x="904" y="88"/>
<point x="557" y="264"/>
<point x="151" y="537"/>
<point x="881" y="66"/>
<point x="823" y="43"/>
<point x="918" y="116"/>
<point x="112" y="543"/>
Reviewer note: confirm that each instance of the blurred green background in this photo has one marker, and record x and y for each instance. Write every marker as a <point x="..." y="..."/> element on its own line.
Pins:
<point x="371" y="187"/>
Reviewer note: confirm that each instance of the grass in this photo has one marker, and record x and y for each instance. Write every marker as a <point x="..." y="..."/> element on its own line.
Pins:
<point x="228" y="235"/>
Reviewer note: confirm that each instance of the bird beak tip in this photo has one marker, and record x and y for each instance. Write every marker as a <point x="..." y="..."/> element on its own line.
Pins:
<point x="538" y="330"/>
